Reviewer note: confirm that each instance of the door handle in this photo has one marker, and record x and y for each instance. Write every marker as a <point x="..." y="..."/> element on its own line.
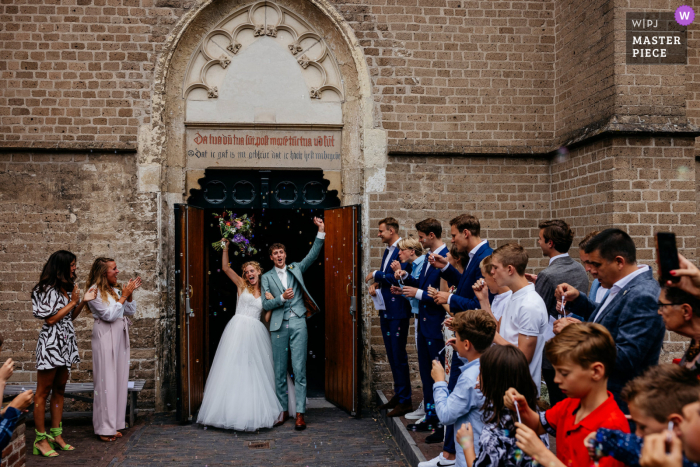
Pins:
<point x="186" y="297"/>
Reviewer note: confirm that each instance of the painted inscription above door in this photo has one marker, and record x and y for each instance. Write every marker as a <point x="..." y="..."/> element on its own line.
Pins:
<point x="263" y="148"/>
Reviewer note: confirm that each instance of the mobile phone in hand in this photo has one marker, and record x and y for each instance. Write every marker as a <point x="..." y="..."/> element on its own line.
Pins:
<point x="667" y="256"/>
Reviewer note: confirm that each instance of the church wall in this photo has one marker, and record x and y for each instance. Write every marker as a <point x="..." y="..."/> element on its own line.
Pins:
<point x="85" y="203"/>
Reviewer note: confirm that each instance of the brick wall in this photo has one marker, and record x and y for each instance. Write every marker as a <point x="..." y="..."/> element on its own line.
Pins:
<point x="458" y="75"/>
<point x="15" y="454"/>
<point x="584" y="65"/>
<point x="448" y="75"/>
<point x="78" y="72"/>
<point x="652" y="94"/>
<point x="86" y="204"/>
<point x="642" y="185"/>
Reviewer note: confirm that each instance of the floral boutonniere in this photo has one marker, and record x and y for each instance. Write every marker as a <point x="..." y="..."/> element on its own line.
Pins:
<point x="290" y="267"/>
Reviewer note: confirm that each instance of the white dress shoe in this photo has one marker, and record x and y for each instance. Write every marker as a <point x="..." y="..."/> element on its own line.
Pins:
<point x="418" y="413"/>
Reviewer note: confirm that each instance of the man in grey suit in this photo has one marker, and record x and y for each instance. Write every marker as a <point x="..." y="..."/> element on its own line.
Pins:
<point x="290" y="307"/>
<point x="555" y="240"/>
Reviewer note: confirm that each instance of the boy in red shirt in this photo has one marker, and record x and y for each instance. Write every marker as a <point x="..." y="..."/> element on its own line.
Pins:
<point x="583" y="357"/>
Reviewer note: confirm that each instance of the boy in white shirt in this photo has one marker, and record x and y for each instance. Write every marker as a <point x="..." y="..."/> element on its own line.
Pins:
<point x="524" y="321"/>
<point x="501" y="295"/>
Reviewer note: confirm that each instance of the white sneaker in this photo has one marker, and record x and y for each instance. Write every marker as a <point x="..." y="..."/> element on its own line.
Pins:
<point x="439" y="461"/>
<point x="416" y="414"/>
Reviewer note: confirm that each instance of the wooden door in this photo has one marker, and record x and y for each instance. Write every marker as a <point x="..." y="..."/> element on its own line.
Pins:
<point x="191" y="317"/>
<point x="342" y="294"/>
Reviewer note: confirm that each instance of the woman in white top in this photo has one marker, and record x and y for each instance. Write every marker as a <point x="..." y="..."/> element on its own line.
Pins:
<point x="110" y="346"/>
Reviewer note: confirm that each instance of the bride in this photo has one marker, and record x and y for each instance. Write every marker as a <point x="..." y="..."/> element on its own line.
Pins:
<point x="240" y="391"/>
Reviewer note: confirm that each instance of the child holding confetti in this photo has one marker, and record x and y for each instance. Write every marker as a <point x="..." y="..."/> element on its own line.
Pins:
<point x="656" y="400"/>
<point x="582" y="354"/>
<point x="475" y="330"/>
<point x="502" y="367"/>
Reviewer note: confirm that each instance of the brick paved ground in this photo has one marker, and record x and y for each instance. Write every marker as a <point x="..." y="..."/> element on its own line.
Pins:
<point x="331" y="439"/>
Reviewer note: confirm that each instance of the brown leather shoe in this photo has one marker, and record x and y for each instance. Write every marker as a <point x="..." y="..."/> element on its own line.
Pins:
<point x="285" y="417"/>
<point x="393" y="402"/>
<point x="300" y="423"/>
<point x="401" y="409"/>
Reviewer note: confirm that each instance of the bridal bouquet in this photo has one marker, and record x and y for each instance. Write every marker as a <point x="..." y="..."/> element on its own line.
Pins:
<point x="238" y="230"/>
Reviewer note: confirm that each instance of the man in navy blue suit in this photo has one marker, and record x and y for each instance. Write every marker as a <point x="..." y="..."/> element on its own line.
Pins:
<point x="430" y="340"/>
<point x="394" y="320"/>
<point x="466" y="235"/>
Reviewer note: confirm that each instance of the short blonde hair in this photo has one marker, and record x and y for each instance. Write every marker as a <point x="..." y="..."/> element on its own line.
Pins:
<point x="486" y="266"/>
<point x="411" y="244"/>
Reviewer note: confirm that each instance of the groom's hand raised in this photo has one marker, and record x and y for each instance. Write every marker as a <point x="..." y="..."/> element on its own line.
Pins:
<point x="318" y="222"/>
<point x="288" y="294"/>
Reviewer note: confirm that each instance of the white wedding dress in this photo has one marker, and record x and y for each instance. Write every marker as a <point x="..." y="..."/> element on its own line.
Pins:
<point x="240" y="391"/>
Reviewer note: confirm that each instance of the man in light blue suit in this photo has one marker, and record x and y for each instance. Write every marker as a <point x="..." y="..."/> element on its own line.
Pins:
<point x="290" y="307"/>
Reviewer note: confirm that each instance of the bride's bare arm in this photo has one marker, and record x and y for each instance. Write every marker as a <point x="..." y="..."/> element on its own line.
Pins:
<point x="268" y="313"/>
<point x="226" y="267"/>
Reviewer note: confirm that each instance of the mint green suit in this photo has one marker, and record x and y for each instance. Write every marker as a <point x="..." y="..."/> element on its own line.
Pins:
<point x="288" y="325"/>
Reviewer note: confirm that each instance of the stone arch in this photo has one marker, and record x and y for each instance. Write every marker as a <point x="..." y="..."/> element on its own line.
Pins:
<point x="161" y="155"/>
<point x="221" y="47"/>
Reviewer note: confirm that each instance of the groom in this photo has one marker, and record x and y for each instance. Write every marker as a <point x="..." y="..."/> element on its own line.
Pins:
<point x="290" y="308"/>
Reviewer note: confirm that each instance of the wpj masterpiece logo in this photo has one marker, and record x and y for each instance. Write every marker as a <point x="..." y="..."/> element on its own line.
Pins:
<point x="656" y="38"/>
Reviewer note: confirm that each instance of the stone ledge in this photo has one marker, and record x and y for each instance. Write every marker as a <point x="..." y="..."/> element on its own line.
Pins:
<point x="408" y="447"/>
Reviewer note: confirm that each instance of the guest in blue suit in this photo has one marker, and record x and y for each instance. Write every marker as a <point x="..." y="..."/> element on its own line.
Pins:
<point x="394" y="321"/>
<point x="597" y="293"/>
<point x="430" y="318"/>
<point x="466" y="235"/>
<point x="629" y="312"/>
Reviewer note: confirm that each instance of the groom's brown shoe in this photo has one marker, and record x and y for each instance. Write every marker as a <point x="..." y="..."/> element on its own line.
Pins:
<point x="300" y="423"/>
<point x="285" y="417"/>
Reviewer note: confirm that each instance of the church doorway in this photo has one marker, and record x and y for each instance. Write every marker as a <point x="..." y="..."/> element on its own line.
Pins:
<point x="283" y="204"/>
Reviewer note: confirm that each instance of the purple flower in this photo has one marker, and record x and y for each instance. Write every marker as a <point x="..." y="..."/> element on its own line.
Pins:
<point x="238" y="238"/>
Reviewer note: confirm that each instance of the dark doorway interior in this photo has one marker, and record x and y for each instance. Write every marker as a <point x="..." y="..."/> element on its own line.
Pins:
<point x="295" y="229"/>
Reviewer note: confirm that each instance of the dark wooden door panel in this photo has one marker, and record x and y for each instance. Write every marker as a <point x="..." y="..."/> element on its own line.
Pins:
<point x="342" y="256"/>
<point x="191" y="319"/>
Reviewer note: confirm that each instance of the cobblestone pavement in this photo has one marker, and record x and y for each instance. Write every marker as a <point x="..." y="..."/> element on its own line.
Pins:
<point x="331" y="439"/>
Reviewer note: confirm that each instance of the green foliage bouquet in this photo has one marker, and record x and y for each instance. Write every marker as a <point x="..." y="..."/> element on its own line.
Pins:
<point x="238" y="230"/>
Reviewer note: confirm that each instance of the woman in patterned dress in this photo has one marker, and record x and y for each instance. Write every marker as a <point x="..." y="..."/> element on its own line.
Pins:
<point x="56" y="300"/>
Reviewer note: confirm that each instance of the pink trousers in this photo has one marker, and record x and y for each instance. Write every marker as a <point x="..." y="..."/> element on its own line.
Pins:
<point x="110" y="371"/>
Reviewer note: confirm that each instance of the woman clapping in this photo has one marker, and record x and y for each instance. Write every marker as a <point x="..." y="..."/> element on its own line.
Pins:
<point x="110" y="346"/>
<point x="56" y="300"/>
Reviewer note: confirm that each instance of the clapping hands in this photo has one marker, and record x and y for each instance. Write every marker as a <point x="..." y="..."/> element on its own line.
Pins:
<point x="6" y="370"/>
<point x="131" y="287"/>
<point x="91" y="294"/>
